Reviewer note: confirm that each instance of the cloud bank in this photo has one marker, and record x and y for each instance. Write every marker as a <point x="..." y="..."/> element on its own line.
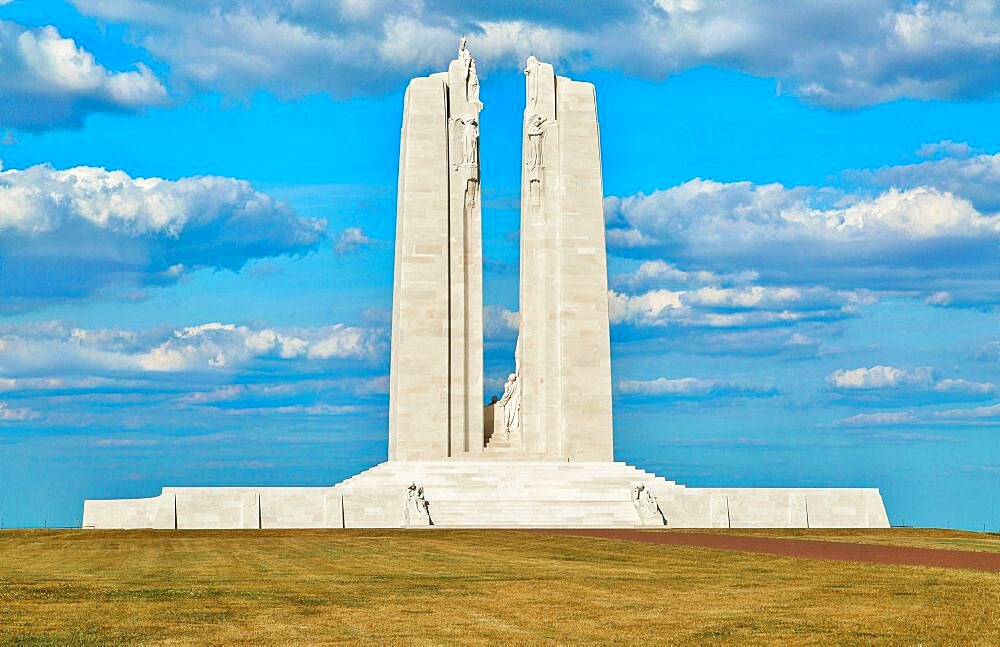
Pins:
<point x="56" y="374"/>
<point x="987" y="416"/>
<point x="75" y="232"/>
<point x="692" y="388"/>
<point x="840" y="55"/>
<point x="55" y="350"/>
<point x="922" y="382"/>
<point x="930" y="230"/>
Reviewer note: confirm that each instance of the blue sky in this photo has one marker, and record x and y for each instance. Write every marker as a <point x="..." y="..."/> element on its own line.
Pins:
<point x="197" y="204"/>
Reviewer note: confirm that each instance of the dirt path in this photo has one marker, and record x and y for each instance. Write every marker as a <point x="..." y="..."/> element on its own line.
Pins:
<point x="806" y="548"/>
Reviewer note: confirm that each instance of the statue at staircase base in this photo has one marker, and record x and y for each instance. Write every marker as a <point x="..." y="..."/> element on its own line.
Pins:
<point x="417" y="512"/>
<point x="647" y="507"/>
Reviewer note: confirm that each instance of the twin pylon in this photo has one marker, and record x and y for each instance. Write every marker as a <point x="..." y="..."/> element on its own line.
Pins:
<point x="561" y="388"/>
<point x="563" y="372"/>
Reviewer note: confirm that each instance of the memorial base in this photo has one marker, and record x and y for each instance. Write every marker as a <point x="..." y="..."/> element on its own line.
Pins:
<point x="494" y="494"/>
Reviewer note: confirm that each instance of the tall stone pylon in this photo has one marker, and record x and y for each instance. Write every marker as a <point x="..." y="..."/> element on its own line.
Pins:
<point x="436" y="363"/>
<point x="565" y="354"/>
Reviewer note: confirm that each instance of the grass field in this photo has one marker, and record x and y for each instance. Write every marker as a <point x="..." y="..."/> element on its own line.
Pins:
<point x="309" y="587"/>
<point x="915" y="537"/>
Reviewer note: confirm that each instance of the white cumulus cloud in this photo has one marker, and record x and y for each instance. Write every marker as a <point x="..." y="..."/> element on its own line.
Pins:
<point x="880" y="377"/>
<point x="973" y="178"/>
<point x="351" y="240"/>
<point x="500" y="323"/>
<point x="49" y="81"/>
<point x="921" y="384"/>
<point x="925" y="241"/>
<point x="890" y="377"/>
<point x="71" y="233"/>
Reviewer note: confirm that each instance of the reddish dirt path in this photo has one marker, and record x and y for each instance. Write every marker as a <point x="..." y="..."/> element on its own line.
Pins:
<point x="806" y="548"/>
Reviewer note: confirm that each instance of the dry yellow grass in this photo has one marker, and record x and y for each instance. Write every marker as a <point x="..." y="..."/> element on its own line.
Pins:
<point x="915" y="537"/>
<point x="314" y="587"/>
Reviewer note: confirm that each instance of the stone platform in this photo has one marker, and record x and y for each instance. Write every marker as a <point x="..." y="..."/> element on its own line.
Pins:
<point x="495" y="494"/>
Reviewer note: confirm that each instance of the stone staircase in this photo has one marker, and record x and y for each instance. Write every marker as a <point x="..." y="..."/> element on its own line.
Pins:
<point x="498" y="494"/>
<point x="496" y="444"/>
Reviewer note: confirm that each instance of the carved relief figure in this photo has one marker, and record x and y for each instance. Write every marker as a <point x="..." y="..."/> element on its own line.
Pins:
<point x="471" y="190"/>
<point x="534" y="192"/>
<point x="470" y="141"/>
<point x="536" y="131"/>
<point x="531" y="72"/>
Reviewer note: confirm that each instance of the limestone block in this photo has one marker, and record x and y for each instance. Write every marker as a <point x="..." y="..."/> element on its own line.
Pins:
<point x="211" y="508"/>
<point x="374" y="507"/>
<point x="153" y="512"/>
<point x="303" y="507"/>
<point x="776" y="508"/>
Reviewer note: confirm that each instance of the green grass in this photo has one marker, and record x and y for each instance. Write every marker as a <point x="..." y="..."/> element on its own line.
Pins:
<point x="310" y="587"/>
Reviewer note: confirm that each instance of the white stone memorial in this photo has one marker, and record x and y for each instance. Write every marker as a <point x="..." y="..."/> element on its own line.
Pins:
<point x="541" y="455"/>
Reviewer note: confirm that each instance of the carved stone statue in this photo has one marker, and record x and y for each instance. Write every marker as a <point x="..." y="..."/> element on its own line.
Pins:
<point x="470" y="76"/>
<point x="470" y="141"/>
<point x="472" y="86"/>
<point x="417" y="511"/>
<point x="511" y="399"/>
<point x="463" y="53"/>
<point x="647" y="506"/>
<point x="511" y="403"/>
<point x="536" y="131"/>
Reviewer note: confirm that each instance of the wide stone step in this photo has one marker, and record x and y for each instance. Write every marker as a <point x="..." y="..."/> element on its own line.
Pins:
<point x="471" y="488"/>
<point x="533" y="514"/>
<point x="504" y="468"/>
